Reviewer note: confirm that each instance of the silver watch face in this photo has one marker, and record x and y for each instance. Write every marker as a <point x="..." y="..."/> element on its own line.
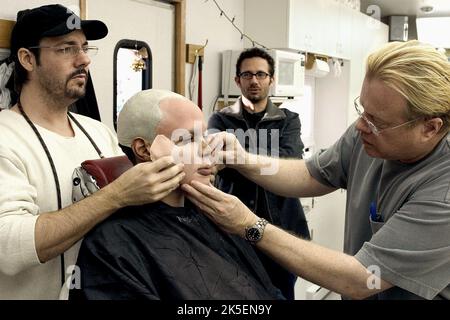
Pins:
<point x="253" y="234"/>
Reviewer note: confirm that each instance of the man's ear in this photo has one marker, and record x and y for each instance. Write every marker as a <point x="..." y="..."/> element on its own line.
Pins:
<point x="27" y="59"/>
<point x="431" y="128"/>
<point x="272" y="80"/>
<point x="141" y="150"/>
<point x="238" y="81"/>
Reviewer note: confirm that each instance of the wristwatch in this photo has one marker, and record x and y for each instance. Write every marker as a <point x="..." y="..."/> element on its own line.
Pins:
<point x="255" y="233"/>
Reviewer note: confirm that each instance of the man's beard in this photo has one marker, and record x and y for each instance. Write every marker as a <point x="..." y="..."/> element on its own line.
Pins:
<point x="60" y="89"/>
<point x="80" y="90"/>
<point x="255" y="98"/>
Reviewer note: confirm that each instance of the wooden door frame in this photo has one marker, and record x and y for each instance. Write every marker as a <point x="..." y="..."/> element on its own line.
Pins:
<point x="5" y="33"/>
<point x="180" y="45"/>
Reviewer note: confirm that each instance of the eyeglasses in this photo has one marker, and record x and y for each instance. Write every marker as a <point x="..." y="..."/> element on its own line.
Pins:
<point x="71" y="51"/>
<point x="260" y="75"/>
<point x="373" y="128"/>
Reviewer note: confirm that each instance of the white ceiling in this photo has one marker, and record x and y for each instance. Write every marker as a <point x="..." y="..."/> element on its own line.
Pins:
<point x="409" y="7"/>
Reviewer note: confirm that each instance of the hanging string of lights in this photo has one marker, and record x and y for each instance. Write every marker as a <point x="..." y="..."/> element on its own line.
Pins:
<point x="231" y="20"/>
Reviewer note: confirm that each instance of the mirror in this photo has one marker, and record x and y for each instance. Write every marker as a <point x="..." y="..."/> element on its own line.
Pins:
<point x="132" y="72"/>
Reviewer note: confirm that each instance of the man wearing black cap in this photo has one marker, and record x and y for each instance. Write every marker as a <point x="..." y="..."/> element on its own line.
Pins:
<point x="41" y="144"/>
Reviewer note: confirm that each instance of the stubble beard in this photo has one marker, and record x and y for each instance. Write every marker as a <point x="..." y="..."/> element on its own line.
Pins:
<point x="76" y="92"/>
<point x="61" y="90"/>
<point x="255" y="98"/>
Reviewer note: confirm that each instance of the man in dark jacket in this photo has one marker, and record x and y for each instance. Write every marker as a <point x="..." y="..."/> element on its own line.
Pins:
<point x="268" y="130"/>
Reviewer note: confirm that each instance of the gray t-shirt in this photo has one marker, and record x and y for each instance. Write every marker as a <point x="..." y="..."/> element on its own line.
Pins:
<point x="411" y="244"/>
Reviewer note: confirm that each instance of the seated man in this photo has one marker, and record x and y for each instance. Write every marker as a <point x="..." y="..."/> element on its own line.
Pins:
<point x="167" y="250"/>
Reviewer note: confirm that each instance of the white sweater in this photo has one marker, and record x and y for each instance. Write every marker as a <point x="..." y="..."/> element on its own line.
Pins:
<point x="27" y="188"/>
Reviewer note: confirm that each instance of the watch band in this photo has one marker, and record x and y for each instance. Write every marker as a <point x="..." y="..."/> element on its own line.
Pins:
<point x="255" y="233"/>
<point x="262" y="223"/>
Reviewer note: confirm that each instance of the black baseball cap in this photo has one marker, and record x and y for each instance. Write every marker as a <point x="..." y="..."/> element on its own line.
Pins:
<point x="51" y="21"/>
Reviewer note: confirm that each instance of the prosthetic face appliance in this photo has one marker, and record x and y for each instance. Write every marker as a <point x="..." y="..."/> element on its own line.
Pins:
<point x="189" y="152"/>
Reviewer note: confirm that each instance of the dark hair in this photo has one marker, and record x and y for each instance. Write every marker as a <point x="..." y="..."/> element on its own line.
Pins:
<point x="129" y="153"/>
<point x="255" y="53"/>
<point x="20" y="74"/>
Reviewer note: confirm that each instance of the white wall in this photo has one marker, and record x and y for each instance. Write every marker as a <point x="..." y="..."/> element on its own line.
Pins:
<point x="331" y="98"/>
<point x="126" y="19"/>
<point x="9" y="8"/>
<point x="203" y="22"/>
<point x="369" y="36"/>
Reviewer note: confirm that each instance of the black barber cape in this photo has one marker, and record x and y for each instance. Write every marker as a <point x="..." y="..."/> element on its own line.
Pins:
<point x="156" y="251"/>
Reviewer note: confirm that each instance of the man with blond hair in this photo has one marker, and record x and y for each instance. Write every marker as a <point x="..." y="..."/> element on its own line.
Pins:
<point x="394" y="162"/>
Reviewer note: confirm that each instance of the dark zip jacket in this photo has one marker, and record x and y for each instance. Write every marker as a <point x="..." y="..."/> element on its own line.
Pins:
<point x="281" y="211"/>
